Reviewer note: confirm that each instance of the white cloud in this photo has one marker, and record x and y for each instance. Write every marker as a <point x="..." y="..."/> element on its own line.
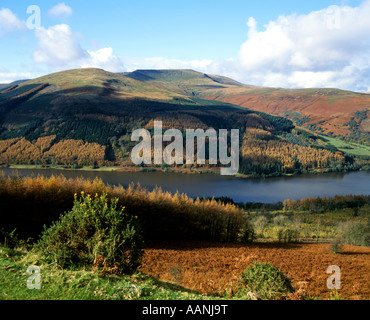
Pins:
<point x="7" y="77"/>
<point x="330" y="47"/>
<point x="61" y="9"/>
<point x="9" y="22"/>
<point x="325" y="48"/>
<point x="164" y="63"/>
<point x="103" y="59"/>
<point x="58" y="47"/>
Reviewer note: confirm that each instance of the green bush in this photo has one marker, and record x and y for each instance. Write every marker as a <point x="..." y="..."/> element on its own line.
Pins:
<point x="95" y="232"/>
<point x="266" y="280"/>
<point x="355" y="233"/>
<point x="288" y="235"/>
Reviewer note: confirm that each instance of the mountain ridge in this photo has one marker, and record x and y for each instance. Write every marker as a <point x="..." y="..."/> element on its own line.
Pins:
<point x="330" y="111"/>
<point x="325" y="110"/>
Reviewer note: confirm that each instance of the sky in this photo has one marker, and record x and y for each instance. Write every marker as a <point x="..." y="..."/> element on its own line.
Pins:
<point x="290" y="44"/>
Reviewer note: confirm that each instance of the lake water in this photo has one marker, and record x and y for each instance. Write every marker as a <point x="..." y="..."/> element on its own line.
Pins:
<point x="240" y="190"/>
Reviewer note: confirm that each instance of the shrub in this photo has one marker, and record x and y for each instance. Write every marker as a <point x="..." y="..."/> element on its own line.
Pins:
<point x="248" y="234"/>
<point x="336" y="246"/>
<point x="355" y="233"/>
<point x="280" y="220"/>
<point x="260" y="224"/>
<point x="95" y="232"/>
<point x="266" y="280"/>
<point x="334" y="295"/>
<point x="8" y="239"/>
<point x="288" y="235"/>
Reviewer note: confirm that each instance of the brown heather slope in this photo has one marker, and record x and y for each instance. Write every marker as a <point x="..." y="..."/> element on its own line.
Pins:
<point x="329" y="109"/>
<point x="215" y="268"/>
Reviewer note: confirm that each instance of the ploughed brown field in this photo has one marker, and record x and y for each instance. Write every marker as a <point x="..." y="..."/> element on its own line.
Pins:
<point x="215" y="268"/>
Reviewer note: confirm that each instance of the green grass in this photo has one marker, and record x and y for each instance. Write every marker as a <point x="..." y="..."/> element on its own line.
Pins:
<point x="59" y="284"/>
<point x="348" y="147"/>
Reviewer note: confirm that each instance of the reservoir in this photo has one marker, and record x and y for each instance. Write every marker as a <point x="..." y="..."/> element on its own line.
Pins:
<point x="269" y="190"/>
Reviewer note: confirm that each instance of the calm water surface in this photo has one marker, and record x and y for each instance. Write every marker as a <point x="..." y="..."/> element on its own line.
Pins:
<point x="207" y="185"/>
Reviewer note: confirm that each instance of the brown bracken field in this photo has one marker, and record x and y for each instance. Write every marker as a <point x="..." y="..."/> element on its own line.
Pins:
<point x="213" y="268"/>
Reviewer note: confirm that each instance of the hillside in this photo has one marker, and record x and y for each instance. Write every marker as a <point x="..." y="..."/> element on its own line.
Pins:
<point x="329" y="111"/>
<point x="186" y="82"/>
<point x="86" y="117"/>
<point x="7" y="85"/>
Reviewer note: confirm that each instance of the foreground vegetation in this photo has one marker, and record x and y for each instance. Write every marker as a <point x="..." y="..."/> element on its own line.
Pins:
<point x="30" y="203"/>
<point x="215" y="268"/>
<point x="80" y="284"/>
<point x="95" y="249"/>
<point x="85" y="283"/>
<point x="94" y="252"/>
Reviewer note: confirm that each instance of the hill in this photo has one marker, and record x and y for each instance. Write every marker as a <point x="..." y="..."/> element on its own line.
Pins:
<point x="86" y="117"/>
<point x="7" y="85"/>
<point x="332" y="112"/>
<point x="186" y="82"/>
<point x="91" y="96"/>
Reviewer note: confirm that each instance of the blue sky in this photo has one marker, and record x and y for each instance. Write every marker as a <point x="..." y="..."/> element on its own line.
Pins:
<point x="273" y="43"/>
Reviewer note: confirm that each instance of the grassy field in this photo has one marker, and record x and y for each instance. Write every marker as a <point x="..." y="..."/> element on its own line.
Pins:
<point x="348" y="147"/>
<point x="59" y="284"/>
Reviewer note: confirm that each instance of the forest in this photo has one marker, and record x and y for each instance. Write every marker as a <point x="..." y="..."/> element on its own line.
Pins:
<point x="262" y="154"/>
<point x="29" y="203"/>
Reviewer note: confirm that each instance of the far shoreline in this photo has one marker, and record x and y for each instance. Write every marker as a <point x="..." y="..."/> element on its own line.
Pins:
<point x="191" y="171"/>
